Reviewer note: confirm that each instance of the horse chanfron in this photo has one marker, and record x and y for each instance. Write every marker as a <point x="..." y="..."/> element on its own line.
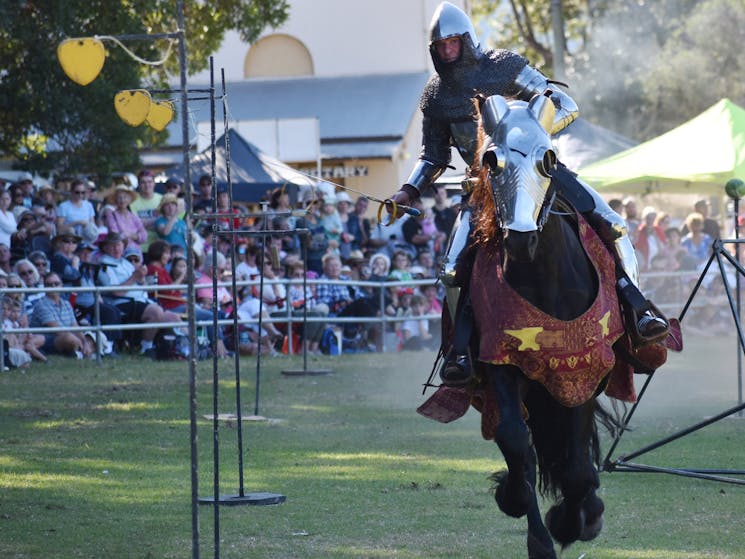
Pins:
<point x="518" y="159"/>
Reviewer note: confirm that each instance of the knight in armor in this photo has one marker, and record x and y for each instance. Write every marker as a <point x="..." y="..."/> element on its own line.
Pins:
<point x="462" y="71"/>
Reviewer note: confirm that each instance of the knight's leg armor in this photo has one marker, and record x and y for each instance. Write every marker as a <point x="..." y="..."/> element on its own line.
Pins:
<point x="455" y="276"/>
<point x="645" y="326"/>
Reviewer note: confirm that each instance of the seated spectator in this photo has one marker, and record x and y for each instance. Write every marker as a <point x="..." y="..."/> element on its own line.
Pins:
<point x="650" y="238"/>
<point x="55" y="312"/>
<point x="26" y="343"/>
<point x="414" y="330"/>
<point x="426" y="261"/>
<point x="77" y="213"/>
<point x="65" y="262"/>
<point x="133" y="304"/>
<point x="335" y="296"/>
<point x="358" y="226"/>
<point x="697" y="242"/>
<point x="316" y="241"/>
<point x="169" y="226"/>
<point x="30" y="277"/>
<point x="5" y="264"/>
<point x="432" y="299"/>
<point x="250" y="341"/>
<point x="8" y="220"/>
<point x="331" y="221"/>
<point x="157" y="259"/>
<point x="341" y="302"/>
<point x="710" y="226"/>
<point x="304" y="301"/>
<point x="31" y="234"/>
<point x="158" y="255"/>
<point x="444" y="216"/>
<point x="93" y="274"/>
<point x="420" y="232"/>
<point x="40" y="259"/>
<point x="14" y="281"/>
<point x="400" y="267"/>
<point x="124" y="221"/>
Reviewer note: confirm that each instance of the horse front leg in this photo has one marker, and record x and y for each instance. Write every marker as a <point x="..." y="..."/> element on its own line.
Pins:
<point x="579" y="516"/>
<point x="540" y="544"/>
<point x="515" y="494"/>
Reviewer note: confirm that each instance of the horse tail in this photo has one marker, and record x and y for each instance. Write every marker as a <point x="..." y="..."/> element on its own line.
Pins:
<point x="551" y="424"/>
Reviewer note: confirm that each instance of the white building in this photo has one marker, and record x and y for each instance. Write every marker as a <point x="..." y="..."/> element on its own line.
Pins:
<point x="347" y="72"/>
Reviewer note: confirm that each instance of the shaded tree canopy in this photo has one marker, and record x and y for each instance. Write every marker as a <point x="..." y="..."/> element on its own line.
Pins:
<point x="637" y="67"/>
<point x="52" y="125"/>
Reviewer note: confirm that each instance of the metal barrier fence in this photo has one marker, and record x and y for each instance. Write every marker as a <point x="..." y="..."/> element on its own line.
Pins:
<point x="669" y="290"/>
<point x="288" y="318"/>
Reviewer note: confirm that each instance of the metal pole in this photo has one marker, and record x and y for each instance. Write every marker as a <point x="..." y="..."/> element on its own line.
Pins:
<point x="739" y="315"/>
<point x="215" y="371"/>
<point x="190" y="287"/>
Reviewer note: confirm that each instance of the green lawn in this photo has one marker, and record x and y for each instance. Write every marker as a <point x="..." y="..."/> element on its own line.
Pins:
<point x="95" y="462"/>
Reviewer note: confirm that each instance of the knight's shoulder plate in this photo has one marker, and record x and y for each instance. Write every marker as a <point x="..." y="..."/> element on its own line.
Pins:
<point x="499" y="68"/>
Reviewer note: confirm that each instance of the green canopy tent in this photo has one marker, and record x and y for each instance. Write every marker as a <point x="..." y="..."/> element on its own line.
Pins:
<point x="697" y="157"/>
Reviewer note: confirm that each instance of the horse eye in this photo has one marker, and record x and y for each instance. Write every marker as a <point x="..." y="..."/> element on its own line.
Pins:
<point x="546" y="162"/>
<point x="494" y="159"/>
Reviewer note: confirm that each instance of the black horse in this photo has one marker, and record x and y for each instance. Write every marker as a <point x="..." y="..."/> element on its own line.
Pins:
<point x="546" y="320"/>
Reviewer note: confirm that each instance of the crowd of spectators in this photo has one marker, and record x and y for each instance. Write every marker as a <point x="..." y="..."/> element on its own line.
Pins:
<point x="80" y="235"/>
<point x="673" y="252"/>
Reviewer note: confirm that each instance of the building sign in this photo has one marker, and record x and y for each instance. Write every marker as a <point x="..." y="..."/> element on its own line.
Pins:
<point x="338" y="171"/>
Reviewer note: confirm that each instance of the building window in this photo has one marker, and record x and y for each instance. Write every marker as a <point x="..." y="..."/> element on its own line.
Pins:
<point x="277" y="55"/>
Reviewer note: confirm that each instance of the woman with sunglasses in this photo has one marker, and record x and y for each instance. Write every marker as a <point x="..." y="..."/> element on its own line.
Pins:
<point x="65" y="263"/>
<point x="31" y="278"/>
<point x="78" y="213"/>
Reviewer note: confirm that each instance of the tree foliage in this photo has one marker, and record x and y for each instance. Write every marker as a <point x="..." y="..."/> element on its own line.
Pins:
<point x="52" y="125"/>
<point x="638" y="67"/>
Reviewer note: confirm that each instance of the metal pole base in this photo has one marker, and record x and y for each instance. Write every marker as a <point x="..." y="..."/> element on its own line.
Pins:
<point x="301" y="372"/>
<point x="254" y="499"/>
<point x="231" y="417"/>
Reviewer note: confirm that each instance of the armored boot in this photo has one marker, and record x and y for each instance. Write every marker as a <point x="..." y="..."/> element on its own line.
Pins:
<point x="457" y="369"/>
<point x="645" y="324"/>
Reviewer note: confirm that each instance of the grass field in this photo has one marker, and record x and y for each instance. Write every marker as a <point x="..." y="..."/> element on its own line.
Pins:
<point x="95" y="462"/>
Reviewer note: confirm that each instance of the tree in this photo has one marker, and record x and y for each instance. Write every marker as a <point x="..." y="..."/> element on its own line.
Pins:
<point x="50" y="124"/>
<point x="637" y="67"/>
<point x="698" y="65"/>
<point x="525" y="26"/>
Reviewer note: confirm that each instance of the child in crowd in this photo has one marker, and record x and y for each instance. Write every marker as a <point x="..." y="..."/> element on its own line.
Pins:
<point x="27" y="345"/>
<point x="415" y="331"/>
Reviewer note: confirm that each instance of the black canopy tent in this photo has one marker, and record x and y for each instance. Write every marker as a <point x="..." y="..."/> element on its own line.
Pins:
<point x="253" y="173"/>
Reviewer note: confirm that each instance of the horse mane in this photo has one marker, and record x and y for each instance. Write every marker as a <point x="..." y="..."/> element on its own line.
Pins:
<point x="485" y="225"/>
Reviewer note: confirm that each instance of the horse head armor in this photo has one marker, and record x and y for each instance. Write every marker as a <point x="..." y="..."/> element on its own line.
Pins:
<point x="519" y="158"/>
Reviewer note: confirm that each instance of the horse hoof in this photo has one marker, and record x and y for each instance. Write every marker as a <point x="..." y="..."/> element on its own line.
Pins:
<point x="592" y="529"/>
<point x="513" y="500"/>
<point x="538" y="549"/>
<point x="593" y="508"/>
<point x="565" y="528"/>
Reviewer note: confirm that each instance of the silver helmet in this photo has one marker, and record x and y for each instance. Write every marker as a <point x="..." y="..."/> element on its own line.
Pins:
<point x="450" y="21"/>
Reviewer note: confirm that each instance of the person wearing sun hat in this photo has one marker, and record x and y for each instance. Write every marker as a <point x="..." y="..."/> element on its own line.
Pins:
<point x="65" y="263"/>
<point x="133" y="304"/>
<point x="122" y="220"/>
<point x="169" y="226"/>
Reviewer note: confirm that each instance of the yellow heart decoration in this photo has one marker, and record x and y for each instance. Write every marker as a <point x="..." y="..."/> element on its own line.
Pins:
<point x="133" y="105"/>
<point x="161" y="113"/>
<point x="81" y="59"/>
